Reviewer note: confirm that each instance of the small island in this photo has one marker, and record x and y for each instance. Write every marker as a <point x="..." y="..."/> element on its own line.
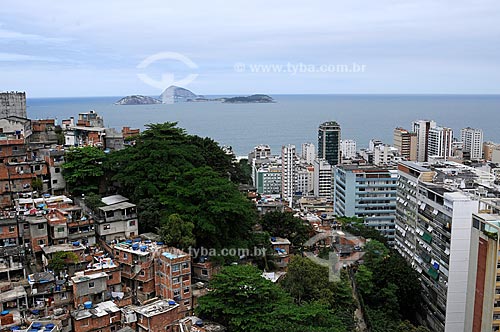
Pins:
<point x="138" y="100"/>
<point x="259" y="98"/>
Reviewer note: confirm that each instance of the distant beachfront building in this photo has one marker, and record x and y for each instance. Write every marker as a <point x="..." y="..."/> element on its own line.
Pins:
<point x="323" y="176"/>
<point x="421" y="128"/>
<point x="348" y="148"/>
<point x="406" y="143"/>
<point x="308" y="153"/>
<point x="329" y="142"/>
<point x="440" y="142"/>
<point x="288" y="172"/>
<point x="472" y="140"/>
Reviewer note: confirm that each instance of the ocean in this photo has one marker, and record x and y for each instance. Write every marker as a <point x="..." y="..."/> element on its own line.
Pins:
<point x="293" y="119"/>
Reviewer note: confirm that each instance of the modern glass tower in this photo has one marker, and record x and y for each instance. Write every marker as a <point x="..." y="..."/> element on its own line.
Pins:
<point x="329" y="142"/>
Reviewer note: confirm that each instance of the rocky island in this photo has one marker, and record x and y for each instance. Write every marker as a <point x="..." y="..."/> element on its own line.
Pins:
<point x="259" y="98"/>
<point x="175" y="94"/>
<point x="137" y="100"/>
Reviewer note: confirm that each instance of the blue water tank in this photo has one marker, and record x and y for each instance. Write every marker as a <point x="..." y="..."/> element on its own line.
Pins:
<point x="15" y="328"/>
<point x="49" y="326"/>
<point x="36" y="325"/>
<point x="5" y="312"/>
<point x="273" y="239"/>
<point x="58" y="288"/>
<point x="76" y="244"/>
<point x="159" y="243"/>
<point x="128" y="241"/>
<point x="199" y="323"/>
<point x="35" y="311"/>
<point x="171" y="302"/>
<point x="137" y="239"/>
<point x="135" y="246"/>
<point x="87" y="305"/>
<point x="144" y="248"/>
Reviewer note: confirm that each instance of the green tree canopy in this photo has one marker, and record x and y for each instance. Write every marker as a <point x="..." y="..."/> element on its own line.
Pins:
<point x="242" y="300"/>
<point x="221" y="215"/>
<point x="61" y="259"/>
<point x="83" y="169"/>
<point x="177" y="232"/>
<point x="284" y="224"/>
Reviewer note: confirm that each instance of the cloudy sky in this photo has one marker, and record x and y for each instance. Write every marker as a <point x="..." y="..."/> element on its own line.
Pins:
<point x="115" y="48"/>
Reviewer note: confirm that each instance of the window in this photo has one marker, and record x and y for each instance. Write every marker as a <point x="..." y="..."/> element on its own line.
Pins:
<point x="176" y="292"/>
<point x="107" y="226"/>
<point x="91" y="284"/>
<point x="187" y="302"/>
<point x="185" y="265"/>
<point x="26" y="226"/>
<point x="142" y="273"/>
<point x="204" y="272"/>
<point x="125" y="255"/>
<point x="57" y="170"/>
<point x="175" y="280"/>
<point x="54" y="181"/>
<point x="132" y="223"/>
<point x="186" y="290"/>
<point x="110" y="277"/>
<point x="11" y="229"/>
<point x="40" y="242"/>
<point x="110" y="214"/>
<point x="175" y="268"/>
<point x="41" y="226"/>
<point x="37" y="167"/>
<point x="60" y="229"/>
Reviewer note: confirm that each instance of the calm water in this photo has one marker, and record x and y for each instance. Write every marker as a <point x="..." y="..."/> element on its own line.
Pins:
<point x="294" y="119"/>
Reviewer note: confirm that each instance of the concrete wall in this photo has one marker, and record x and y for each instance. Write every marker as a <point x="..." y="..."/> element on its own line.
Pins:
<point x="12" y="104"/>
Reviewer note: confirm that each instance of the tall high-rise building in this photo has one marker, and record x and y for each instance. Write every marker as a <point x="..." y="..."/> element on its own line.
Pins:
<point x="288" y="172"/>
<point x="348" y="148"/>
<point x="323" y="179"/>
<point x="12" y="104"/>
<point x="472" y="140"/>
<point x="329" y="142"/>
<point x="439" y="142"/>
<point x="367" y="192"/>
<point x="406" y="143"/>
<point x="421" y="128"/>
<point x="308" y="153"/>
<point x="433" y="233"/>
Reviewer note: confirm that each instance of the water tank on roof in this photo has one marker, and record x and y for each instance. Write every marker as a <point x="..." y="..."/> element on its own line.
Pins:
<point x="135" y="246"/>
<point x="159" y="243"/>
<point x="87" y="305"/>
<point x="76" y="244"/>
<point x="273" y="239"/>
<point x="171" y="302"/>
<point x="144" y="248"/>
<point x="128" y="241"/>
<point x="199" y="323"/>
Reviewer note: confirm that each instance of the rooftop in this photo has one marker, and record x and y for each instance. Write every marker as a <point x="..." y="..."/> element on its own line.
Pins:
<point x="139" y="247"/>
<point x="62" y="247"/>
<point x="115" y="199"/>
<point x="82" y="278"/>
<point x="156" y="308"/>
<point x="117" y="206"/>
<point x="99" y="310"/>
<point x="279" y="240"/>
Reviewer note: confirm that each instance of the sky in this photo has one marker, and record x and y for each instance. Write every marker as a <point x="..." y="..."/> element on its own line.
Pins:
<point x="118" y="48"/>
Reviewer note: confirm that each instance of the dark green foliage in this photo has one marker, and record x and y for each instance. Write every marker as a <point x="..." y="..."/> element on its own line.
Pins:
<point x="152" y="171"/>
<point x="178" y="233"/>
<point x="61" y="259"/>
<point x="389" y="287"/>
<point x="221" y="215"/>
<point x="37" y="184"/>
<point x="93" y="201"/>
<point x="284" y="224"/>
<point x="244" y="301"/>
<point x="356" y="226"/>
<point x="83" y="169"/>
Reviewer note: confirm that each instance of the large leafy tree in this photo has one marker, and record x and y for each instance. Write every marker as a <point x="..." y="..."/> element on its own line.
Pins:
<point x="221" y="215"/>
<point x="83" y="169"/>
<point x="177" y="233"/>
<point x="284" y="224"/>
<point x="242" y="300"/>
